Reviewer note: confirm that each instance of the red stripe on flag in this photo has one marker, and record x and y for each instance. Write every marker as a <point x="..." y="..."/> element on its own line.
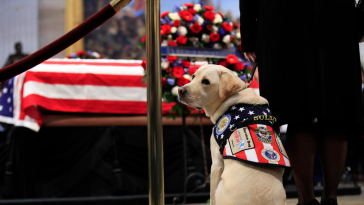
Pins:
<point x="92" y="63"/>
<point x="275" y="147"/>
<point x="85" y="79"/>
<point x="258" y="144"/>
<point x="90" y="106"/>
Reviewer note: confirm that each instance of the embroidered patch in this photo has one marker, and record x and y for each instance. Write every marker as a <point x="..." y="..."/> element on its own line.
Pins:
<point x="223" y="124"/>
<point x="241" y="140"/>
<point x="264" y="135"/>
<point x="280" y="145"/>
<point x="270" y="155"/>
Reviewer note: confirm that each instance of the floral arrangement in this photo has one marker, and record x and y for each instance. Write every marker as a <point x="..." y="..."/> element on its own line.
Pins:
<point x="85" y="55"/>
<point x="195" y="25"/>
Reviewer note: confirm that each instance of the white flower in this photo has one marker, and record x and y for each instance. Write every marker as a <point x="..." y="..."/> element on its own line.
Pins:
<point x="164" y="65"/>
<point x="231" y="23"/>
<point x="215" y="29"/>
<point x="96" y="55"/>
<point x="164" y="43"/>
<point x="174" y="16"/>
<point x="197" y="7"/>
<point x="183" y="7"/>
<point x="235" y="73"/>
<point x="226" y="39"/>
<point x="206" y="38"/>
<point x="230" y="45"/>
<point x="193" y="39"/>
<point x="200" y="20"/>
<point x="188" y="77"/>
<point x="217" y="46"/>
<point x="169" y="37"/>
<point x="237" y="35"/>
<point x="175" y="90"/>
<point x="218" y="19"/>
<point x="182" y="30"/>
<point x="173" y="29"/>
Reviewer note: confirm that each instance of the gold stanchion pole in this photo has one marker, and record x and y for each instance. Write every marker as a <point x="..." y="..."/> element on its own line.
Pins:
<point x="154" y="99"/>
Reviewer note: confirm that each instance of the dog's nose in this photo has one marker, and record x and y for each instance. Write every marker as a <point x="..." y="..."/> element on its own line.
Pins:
<point x="182" y="90"/>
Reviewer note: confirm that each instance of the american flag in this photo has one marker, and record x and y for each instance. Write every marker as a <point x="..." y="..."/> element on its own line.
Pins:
<point x="78" y="86"/>
<point x="6" y="100"/>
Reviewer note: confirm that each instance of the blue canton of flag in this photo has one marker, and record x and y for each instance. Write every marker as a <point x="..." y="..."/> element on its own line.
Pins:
<point x="6" y="99"/>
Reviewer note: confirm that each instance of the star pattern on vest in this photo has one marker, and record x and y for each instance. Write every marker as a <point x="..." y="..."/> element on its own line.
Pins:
<point x="242" y="113"/>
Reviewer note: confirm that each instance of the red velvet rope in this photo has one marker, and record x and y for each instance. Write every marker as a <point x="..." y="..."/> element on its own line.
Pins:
<point x="58" y="45"/>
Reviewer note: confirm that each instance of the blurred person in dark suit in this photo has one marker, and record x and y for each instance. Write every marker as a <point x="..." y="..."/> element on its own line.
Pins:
<point x="18" y="55"/>
<point x="299" y="46"/>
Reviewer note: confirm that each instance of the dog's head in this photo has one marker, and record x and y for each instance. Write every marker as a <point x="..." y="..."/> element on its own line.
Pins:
<point x="210" y="86"/>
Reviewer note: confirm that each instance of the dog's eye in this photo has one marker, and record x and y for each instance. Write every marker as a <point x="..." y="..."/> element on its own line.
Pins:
<point x="193" y="77"/>
<point x="205" y="82"/>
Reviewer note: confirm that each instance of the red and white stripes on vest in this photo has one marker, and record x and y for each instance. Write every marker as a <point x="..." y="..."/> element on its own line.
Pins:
<point x="255" y="148"/>
<point x="245" y="133"/>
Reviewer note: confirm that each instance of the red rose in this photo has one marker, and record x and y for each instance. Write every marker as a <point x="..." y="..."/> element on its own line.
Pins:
<point x="69" y="56"/>
<point x="165" y="29"/>
<point x="186" y="15"/>
<point x="164" y="81"/>
<point x="171" y="59"/>
<point x="176" y="23"/>
<point x="186" y="63"/>
<point x="181" y="40"/>
<point x="214" y="37"/>
<point x="182" y="81"/>
<point x="236" y="25"/>
<point x="192" y="70"/>
<point x="239" y="47"/>
<point x="101" y="56"/>
<point x="227" y="27"/>
<point x="172" y="43"/>
<point x="196" y="28"/>
<point x="223" y="62"/>
<point x="232" y="39"/>
<point x="231" y="59"/>
<point x="209" y="8"/>
<point x="209" y="15"/>
<point x="239" y="66"/>
<point x="189" y="5"/>
<point x="144" y="64"/>
<point x="209" y="27"/>
<point x="178" y="72"/>
<point x="192" y="11"/>
<point x="169" y="70"/>
<point x="80" y="53"/>
<point x="221" y="14"/>
<point x="164" y="14"/>
<point x="143" y="38"/>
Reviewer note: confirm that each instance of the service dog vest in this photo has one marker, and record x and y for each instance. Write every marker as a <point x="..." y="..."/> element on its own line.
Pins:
<point x="249" y="133"/>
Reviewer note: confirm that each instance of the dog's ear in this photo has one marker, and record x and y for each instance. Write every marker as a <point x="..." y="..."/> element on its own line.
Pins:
<point x="229" y="84"/>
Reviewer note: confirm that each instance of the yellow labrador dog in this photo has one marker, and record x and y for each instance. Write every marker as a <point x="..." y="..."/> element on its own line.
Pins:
<point x="215" y="89"/>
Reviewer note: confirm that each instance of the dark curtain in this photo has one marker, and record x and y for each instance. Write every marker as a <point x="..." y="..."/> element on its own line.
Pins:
<point x="81" y="161"/>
